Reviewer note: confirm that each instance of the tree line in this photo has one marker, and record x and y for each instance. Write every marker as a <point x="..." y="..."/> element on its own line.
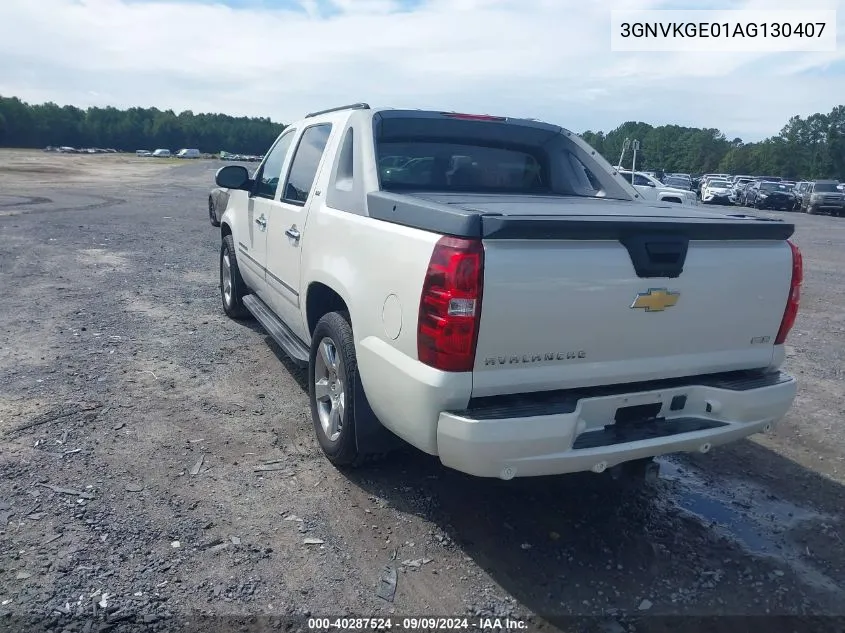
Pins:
<point x="811" y="148"/>
<point x="25" y="125"/>
<point x="805" y="148"/>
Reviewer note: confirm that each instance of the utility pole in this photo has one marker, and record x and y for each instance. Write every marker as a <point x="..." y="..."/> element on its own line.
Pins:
<point x="625" y="147"/>
<point x="636" y="146"/>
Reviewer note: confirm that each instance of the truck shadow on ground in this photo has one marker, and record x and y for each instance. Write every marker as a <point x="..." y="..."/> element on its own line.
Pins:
<point x="740" y="531"/>
<point x="585" y="545"/>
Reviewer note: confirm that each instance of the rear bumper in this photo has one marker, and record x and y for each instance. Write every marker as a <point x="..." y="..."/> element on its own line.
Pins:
<point x="578" y="433"/>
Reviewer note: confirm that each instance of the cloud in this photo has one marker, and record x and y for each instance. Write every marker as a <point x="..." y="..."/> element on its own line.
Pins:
<point x="547" y="59"/>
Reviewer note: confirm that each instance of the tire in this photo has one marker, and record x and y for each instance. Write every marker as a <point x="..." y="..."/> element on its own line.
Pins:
<point x="810" y="210"/>
<point x="212" y="214"/>
<point x="232" y="286"/>
<point x="334" y="388"/>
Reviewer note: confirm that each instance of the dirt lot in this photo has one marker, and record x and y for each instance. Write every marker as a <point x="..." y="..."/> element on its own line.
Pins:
<point x="157" y="459"/>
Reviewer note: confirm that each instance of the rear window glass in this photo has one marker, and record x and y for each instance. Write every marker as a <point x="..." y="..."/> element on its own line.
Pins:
<point x="825" y="186"/>
<point x="460" y="166"/>
<point x="773" y="186"/>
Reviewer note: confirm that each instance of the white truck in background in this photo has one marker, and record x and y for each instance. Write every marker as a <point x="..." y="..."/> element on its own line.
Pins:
<point x="652" y="189"/>
<point x="493" y="292"/>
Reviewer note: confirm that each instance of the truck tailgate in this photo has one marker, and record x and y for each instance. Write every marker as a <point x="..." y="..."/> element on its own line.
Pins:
<point x="600" y="302"/>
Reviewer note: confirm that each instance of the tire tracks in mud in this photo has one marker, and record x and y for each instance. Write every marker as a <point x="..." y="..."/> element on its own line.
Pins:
<point x="22" y="208"/>
<point x="24" y="201"/>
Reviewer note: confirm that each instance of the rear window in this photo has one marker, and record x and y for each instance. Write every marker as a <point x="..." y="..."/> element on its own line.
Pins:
<point x="446" y="166"/>
<point x="825" y="187"/>
<point x="773" y="186"/>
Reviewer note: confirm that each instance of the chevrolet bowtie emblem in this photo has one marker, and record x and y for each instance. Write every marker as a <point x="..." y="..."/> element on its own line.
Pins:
<point x="656" y="299"/>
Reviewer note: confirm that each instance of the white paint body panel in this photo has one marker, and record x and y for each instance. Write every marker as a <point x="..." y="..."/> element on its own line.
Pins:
<point x="542" y="445"/>
<point x="578" y="299"/>
<point x="539" y="296"/>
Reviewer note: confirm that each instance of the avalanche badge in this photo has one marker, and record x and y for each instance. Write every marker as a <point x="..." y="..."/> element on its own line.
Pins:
<point x="656" y="299"/>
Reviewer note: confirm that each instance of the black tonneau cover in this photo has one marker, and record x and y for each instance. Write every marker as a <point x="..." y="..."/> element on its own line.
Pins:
<point x="488" y="217"/>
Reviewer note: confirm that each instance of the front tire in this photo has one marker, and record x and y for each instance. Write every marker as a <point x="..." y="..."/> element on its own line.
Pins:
<point x="333" y="388"/>
<point x="232" y="286"/>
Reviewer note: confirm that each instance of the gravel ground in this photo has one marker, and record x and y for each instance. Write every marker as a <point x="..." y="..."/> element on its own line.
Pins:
<point x="158" y="465"/>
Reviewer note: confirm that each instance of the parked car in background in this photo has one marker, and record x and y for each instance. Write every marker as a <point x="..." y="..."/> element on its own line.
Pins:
<point x="800" y="189"/>
<point x="678" y="182"/>
<point x="824" y="195"/>
<point x="737" y="186"/>
<point x="708" y="177"/>
<point x="741" y="194"/>
<point x="161" y="153"/>
<point x="653" y="189"/>
<point x="218" y="198"/>
<point x="143" y="152"/>
<point x="716" y="191"/>
<point x="703" y="181"/>
<point x="188" y="153"/>
<point x="771" y="195"/>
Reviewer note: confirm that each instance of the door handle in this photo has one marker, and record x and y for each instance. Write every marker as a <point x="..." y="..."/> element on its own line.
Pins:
<point x="260" y="221"/>
<point x="292" y="233"/>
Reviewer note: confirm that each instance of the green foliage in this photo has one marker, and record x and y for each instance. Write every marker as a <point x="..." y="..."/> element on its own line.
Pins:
<point x="805" y="148"/>
<point x="25" y="125"/>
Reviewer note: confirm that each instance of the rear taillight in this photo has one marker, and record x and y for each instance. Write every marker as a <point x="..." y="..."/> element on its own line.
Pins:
<point x="450" y="305"/>
<point x="791" y="311"/>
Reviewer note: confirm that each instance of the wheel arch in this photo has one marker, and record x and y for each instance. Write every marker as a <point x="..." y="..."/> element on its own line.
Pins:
<point x="322" y="296"/>
<point x="320" y="299"/>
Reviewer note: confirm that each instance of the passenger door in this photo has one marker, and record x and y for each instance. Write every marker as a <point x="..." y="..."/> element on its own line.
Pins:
<point x="286" y="226"/>
<point x="253" y="252"/>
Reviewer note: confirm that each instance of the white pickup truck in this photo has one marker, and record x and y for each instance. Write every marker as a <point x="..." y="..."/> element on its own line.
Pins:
<point x="493" y="292"/>
<point x="651" y="189"/>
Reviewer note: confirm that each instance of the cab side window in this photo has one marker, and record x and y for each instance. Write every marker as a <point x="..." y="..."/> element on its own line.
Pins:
<point x="306" y="160"/>
<point x="267" y="179"/>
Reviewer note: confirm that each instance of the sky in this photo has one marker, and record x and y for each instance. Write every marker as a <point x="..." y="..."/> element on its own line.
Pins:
<point x="544" y="59"/>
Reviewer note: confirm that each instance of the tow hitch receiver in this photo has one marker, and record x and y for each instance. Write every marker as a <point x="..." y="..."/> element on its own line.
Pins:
<point x="646" y="470"/>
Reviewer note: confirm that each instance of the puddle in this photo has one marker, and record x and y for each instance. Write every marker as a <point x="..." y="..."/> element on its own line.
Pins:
<point x="749" y="515"/>
<point x="740" y="510"/>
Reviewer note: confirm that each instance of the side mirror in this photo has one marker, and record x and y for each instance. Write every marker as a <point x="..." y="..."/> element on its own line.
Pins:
<point x="650" y="184"/>
<point x="232" y="177"/>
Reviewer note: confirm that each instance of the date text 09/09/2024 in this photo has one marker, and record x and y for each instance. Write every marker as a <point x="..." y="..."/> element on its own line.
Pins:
<point x="416" y="624"/>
